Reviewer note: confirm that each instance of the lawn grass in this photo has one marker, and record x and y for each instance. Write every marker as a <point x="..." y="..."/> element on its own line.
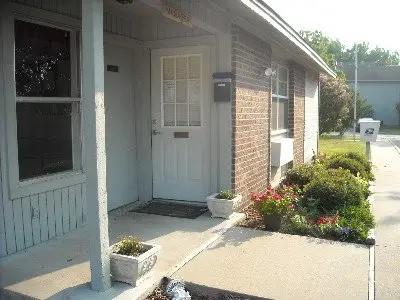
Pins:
<point x="335" y="144"/>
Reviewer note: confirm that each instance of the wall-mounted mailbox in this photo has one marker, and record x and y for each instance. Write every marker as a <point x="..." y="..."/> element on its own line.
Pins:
<point x="222" y="86"/>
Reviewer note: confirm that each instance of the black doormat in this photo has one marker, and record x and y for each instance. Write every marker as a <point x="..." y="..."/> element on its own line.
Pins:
<point x="172" y="209"/>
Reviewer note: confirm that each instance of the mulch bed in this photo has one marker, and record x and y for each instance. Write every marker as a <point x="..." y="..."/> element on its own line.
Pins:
<point x="253" y="218"/>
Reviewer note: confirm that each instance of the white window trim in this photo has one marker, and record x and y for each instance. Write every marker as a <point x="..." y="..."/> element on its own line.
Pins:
<point x="187" y="87"/>
<point x="279" y="97"/>
<point x="21" y="188"/>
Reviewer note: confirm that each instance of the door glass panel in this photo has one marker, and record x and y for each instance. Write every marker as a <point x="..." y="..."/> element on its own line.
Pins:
<point x="283" y="114"/>
<point x="181" y="115"/>
<point x="181" y="67"/>
<point x="169" y="91"/>
<point x="168" y="68"/>
<point x="283" y="89"/>
<point x="194" y="91"/>
<point x="194" y="67"/>
<point x="283" y="74"/>
<point x="42" y="61"/>
<point x="169" y="114"/>
<point x="181" y="91"/>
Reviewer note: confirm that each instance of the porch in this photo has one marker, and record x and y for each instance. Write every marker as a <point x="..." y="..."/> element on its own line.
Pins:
<point x="60" y="268"/>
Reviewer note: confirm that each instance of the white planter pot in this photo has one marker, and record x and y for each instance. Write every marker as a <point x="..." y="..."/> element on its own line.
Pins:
<point x="223" y="208"/>
<point x="132" y="269"/>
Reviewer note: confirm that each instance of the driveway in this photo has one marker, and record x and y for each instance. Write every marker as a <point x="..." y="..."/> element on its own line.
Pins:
<point x="386" y="159"/>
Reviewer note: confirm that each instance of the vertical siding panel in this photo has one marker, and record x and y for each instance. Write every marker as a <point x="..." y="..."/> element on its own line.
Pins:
<point x="9" y="225"/>
<point x="44" y="231"/>
<point x="72" y="208"/>
<point x="84" y="204"/>
<point x="58" y="212"/>
<point x="65" y="209"/>
<point x="27" y="219"/>
<point x="18" y="224"/>
<point x="35" y="219"/>
<point x="51" y="221"/>
<point x="78" y="201"/>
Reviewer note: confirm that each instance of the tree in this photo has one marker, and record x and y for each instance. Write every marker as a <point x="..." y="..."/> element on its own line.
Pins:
<point x="334" y="110"/>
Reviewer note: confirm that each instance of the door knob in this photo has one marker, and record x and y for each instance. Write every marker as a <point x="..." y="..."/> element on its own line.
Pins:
<point x="155" y="132"/>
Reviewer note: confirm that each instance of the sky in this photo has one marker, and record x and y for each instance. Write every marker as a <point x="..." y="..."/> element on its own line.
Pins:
<point x="350" y="21"/>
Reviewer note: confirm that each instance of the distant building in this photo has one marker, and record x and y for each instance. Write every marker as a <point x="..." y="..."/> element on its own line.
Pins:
<point x="380" y="85"/>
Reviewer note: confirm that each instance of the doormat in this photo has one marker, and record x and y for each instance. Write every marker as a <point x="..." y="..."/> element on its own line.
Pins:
<point x="170" y="209"/>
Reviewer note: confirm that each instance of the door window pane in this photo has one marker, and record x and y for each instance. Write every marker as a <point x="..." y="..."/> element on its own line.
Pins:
<point x="44" y="138"/>
<point x="42" y="61"/>
<point x="283" y="114"/>
<point x="274" y="112"/>
<point x="181" y="93"/>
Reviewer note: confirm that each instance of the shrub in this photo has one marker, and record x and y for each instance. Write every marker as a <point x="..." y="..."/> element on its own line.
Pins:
<point x="331" y="191"/>
<point x="130" y="246"/>
<point x="352" y="165"/>
<point x="362" y="160"/>
<point x="302" y="174"/>
<point x="356" y="221"/>
<point x="226" y="194"/>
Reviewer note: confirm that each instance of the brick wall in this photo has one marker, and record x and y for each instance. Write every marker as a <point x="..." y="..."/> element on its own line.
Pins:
<point x="251" y="110"/>
<point x="296" y="110"/>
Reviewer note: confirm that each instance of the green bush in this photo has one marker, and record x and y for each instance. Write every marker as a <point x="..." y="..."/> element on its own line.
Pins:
<point x="226" y="194"/>
<point x="355" y="168"/>
<point x="358" y="220"/>
<point x="362" y="160"/>
<point x="302" y="174"/>
<point x="331" y="191"/>
<point x="130" y="246"/>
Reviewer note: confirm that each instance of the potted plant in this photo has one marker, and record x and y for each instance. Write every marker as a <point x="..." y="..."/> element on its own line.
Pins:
<point x="272" y="205"/>
<point x="131" y="260"/>
<point x="223" y="204"/>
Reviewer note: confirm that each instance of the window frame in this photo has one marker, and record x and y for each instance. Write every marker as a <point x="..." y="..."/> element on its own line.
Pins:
<point x="280" y="98"/>
<point x="25" y="187"/>
<point x="187" y="88"/>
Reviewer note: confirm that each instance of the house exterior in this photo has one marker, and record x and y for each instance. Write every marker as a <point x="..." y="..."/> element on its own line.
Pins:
<point x="380" y="86"/>
<point x="107" y="105"/>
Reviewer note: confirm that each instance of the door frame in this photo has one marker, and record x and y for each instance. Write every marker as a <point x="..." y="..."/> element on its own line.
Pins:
<point x="210" y="53"/>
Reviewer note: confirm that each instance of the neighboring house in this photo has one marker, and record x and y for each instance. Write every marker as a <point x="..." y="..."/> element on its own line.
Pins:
<point x="169" y="132"/>
<point x="380" y="86"/>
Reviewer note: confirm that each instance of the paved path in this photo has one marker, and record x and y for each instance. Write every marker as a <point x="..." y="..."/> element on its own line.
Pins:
<point x="280" y="266"/>
<point x="386" y="159"/>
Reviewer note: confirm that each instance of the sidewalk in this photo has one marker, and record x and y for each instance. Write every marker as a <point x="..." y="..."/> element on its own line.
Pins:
<point x="387" y="212"/>
<point x="280" y="266"/>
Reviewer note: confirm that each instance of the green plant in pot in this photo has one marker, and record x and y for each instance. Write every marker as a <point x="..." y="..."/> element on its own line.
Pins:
<point x="273" y="206"/>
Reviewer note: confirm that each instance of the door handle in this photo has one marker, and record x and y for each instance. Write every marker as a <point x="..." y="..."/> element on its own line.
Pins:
<point x="155" y="132"/>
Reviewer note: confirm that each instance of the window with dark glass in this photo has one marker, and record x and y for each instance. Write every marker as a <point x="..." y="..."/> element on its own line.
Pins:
<point x="48" y="120"/>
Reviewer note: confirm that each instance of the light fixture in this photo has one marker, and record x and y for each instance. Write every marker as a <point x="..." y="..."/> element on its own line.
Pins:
<point x="268" y="72"/>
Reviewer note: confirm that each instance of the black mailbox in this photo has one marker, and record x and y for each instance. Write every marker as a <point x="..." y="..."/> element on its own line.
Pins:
<point x="222" y="86"/>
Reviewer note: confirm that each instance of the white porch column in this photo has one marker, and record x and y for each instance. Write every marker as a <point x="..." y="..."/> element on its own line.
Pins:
<point x="94" y="133"/>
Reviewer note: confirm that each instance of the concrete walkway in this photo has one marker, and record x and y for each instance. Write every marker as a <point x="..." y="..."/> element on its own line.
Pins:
<point x="386" y="158"/>
<point x="280" y="266"/>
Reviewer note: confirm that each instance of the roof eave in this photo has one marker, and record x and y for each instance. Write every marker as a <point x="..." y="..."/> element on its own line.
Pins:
<point x="264" y="11"/>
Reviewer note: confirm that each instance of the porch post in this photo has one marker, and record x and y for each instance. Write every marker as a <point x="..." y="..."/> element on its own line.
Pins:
<point x="94" y="134"/>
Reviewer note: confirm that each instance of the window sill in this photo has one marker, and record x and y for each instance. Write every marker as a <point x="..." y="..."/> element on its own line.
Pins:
<point x="278" y="132"/>
<point x="47" y="183"/>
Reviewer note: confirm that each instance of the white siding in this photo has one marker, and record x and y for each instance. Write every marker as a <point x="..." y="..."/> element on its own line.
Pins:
<point x="311" y="117"/>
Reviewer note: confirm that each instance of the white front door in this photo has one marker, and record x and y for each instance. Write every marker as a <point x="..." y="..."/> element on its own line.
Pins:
<point x="181" y="123"/>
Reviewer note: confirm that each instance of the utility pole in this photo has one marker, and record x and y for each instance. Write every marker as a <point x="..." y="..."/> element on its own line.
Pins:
<point x="355" y="91"/>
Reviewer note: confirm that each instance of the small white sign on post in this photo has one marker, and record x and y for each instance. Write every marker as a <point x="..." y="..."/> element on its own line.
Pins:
<point x="369" y="129"/>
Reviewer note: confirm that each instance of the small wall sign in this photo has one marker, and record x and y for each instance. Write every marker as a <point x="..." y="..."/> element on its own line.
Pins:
<point x="112" y="68"/>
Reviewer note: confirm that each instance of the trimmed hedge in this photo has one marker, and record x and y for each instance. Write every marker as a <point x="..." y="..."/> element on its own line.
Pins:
<point x="302" y="175"/>
<point x="355" y="167"/>
<point x="331" y="191"/>
<point x="362" y="160"/>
